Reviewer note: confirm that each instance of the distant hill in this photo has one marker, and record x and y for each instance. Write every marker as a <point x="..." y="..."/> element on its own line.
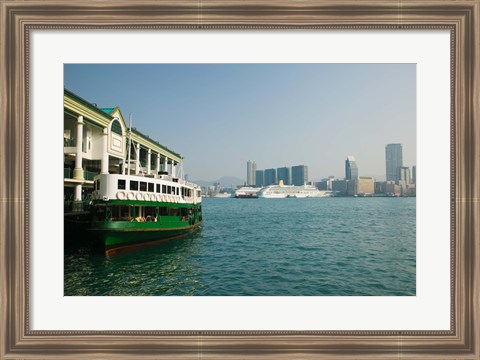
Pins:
<point x="225" y="182"/>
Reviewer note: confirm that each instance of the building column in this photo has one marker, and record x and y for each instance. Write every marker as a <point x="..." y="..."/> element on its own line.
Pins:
<point x="137" y="159"/>
<point x="104" y="164"/>
<point x="149" y="160"/>
<point x="78" y="170"/>
<point x="158" y="163"/>
<point x="173" y="168"/>
<point x="77" y="204"/>
<point x="165" y="164"/>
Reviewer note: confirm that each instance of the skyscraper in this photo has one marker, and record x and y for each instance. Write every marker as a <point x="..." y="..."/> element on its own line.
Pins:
<point x="270" y="177"/>
<point x="404" y="174"/>
<point x="251" y="168"/>
<point x="393" y="160"/>
<point x="283" y="174"/>
<point x="414" y="174"/>
<point x="259" y="178"/>
<point x="299" y="175"/>
<point x="351" y="169"/>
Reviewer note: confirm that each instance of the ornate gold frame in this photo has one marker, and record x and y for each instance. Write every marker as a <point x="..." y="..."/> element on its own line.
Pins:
<point x="18" y="18"/>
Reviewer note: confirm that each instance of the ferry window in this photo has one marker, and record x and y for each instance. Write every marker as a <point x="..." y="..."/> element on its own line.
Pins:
<point x="177" y="191"/>
<point x="158" y="188"/>
<point x="163" y="210"/>
<point x="151" y="187"/>
<point x="125" y="213"/>
<point x="143" y="186"/>
<point x="164" y="189"/>
<point x="169" y="189"/>
<point x="150" y="213"/>
<point x="174" y="212"/>
<point x="121" y="184"/>
<point x="134" y="185"/>
<point x="136" y="211"/>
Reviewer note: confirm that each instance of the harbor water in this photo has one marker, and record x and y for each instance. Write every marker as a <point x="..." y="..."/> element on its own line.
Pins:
<point x="266" y="247"/>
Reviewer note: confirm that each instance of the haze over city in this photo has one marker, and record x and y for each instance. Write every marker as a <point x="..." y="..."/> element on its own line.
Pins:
<point x="218" y="116"/>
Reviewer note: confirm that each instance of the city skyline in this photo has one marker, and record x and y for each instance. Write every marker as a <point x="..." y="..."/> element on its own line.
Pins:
<point x="217" y="116"/>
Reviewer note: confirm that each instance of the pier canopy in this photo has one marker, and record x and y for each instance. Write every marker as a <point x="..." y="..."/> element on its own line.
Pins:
<point x="96" y="142"/>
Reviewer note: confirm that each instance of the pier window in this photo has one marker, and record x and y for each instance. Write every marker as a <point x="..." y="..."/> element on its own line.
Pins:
<point x="134" y="185"/>
<point x="121" y="184"/>
<point x="143" y="186"/>
<point x="151" y="187"/>
<point x="158" y="188"/>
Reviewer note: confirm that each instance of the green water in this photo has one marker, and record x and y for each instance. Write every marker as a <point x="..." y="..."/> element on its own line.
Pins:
<point x="269" y="247"/>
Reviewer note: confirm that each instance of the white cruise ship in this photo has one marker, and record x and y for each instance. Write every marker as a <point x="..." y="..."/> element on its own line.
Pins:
<point x="281" y="191"/>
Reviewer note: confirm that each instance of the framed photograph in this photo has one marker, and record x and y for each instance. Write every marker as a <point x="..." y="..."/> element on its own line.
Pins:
<point x="352" y="262"/>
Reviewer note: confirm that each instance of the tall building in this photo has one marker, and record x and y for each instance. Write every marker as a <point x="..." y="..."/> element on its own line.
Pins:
<point x="351" y="169"/>
<point x="393" y="161"/>
<point x="251" y="168"/>
<point x="259" y="178"/>
<point x="283" y="174"/>
<point x="270" y="177"/>
<point x="299" y="175"/>
<point x="414" y="174"/>
<point x="404" y="175"/>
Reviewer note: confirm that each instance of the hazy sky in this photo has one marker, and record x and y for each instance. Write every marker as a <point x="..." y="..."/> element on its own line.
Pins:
<point x="218" y="116"/>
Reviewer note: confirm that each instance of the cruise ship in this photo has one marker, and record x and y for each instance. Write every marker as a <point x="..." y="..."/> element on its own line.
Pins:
<point x="281" y="191"/>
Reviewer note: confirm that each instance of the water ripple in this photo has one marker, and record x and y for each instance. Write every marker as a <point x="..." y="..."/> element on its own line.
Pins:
<point x="301" y="247"/>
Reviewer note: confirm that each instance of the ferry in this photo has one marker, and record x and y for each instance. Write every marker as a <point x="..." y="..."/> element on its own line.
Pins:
<point x="132" y="209"/>
<point x="247" y="192"/>
<point x="281" y="191"/>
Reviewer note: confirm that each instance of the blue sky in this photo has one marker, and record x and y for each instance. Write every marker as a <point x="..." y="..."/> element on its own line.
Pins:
<point x="218" y="116"/>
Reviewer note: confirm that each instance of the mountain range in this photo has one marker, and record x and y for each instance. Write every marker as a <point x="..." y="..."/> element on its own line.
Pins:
<point x="225" y="182"/>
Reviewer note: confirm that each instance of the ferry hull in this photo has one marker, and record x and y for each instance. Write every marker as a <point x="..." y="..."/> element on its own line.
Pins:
<point x="114" y="238"/>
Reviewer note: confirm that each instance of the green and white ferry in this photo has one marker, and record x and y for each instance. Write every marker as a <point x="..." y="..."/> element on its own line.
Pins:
<point x="128" y="210"/>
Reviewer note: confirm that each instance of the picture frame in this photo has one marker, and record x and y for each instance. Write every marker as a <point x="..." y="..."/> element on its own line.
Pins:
<point x="18" y="341"/>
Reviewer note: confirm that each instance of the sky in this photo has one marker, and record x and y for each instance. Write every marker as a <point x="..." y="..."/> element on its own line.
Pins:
<point x="219" y="116"/>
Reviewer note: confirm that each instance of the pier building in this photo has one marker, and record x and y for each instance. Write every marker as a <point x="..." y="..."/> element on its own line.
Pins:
<point x="96" y="141"/>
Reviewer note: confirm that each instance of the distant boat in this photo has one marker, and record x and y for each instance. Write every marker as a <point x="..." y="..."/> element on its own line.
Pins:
<point x="281" y="191"/>
<point x="247" y="192"/>
<point x="222" y="195"/>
